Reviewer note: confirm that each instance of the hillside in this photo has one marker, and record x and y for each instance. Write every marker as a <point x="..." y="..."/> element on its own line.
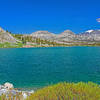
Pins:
<point x="48" y="39"/>
<point x="43" y="35"/>
<point x="6" y="37"/>
<point x="68" y="91"/>
<point x="69" y="36"/>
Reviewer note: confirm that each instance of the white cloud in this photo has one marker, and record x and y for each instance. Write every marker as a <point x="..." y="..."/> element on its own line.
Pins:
<point x="98" y="20"/>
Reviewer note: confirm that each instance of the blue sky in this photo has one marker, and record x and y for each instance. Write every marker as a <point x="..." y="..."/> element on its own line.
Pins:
<point x="26" y="16"/>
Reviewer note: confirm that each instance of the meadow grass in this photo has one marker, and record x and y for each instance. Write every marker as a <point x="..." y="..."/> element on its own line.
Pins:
<point x="68" y="91"/>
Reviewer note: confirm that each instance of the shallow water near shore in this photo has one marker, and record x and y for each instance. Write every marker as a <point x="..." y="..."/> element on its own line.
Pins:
<point x="38" y="67"/>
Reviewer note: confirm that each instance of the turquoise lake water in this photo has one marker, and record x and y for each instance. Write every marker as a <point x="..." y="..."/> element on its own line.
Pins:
<point x="37" y="67"/>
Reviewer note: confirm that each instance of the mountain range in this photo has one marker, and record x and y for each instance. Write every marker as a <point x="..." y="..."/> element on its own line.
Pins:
<point x="69" y="36"/>
<point x="65" y="37"/>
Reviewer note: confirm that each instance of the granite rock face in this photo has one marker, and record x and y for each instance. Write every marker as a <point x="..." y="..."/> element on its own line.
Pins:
<point x="43" y="35"/>
<point x="69" y="37"/>
<point x="90" y="35"/>
<point x="6" y="37"/>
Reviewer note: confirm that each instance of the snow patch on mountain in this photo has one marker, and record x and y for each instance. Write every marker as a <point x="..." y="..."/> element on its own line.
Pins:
<point x="89" y="31"/>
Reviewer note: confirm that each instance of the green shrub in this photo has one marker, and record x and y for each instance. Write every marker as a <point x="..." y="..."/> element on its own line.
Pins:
<point x="10" y="45"/>
<point x="68" y="91"/>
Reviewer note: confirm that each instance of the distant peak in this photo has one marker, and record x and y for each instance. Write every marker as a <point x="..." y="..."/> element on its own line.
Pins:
<point x="89" y="31"/>
<point x="41" y="32"/>
<point x="67" y="32"/>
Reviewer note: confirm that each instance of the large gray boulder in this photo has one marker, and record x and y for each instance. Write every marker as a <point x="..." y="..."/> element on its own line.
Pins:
<point x="8" y="85"/>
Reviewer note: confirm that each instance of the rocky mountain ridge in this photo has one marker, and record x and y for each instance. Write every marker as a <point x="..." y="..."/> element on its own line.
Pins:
<point x="69" y="36"/>
<point x="65" y="37"/>
<point x="90" y="35"/>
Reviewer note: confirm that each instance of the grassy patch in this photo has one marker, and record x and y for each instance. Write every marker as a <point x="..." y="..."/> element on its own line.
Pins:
<point x="10" y="45"/>
<point x="68" y="91"/>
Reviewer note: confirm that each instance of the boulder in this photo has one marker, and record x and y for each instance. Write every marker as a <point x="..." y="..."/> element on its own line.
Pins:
<point x="8" y="85"/>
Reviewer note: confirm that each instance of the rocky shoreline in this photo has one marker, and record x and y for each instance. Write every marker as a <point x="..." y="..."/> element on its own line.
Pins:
<point x="9" y="91"/>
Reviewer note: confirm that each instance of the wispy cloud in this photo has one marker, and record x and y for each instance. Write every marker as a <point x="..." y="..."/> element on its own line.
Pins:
<point x="98" y="20"/>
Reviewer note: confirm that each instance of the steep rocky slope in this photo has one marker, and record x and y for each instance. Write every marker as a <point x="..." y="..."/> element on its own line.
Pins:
<point x="6" y="37"/>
